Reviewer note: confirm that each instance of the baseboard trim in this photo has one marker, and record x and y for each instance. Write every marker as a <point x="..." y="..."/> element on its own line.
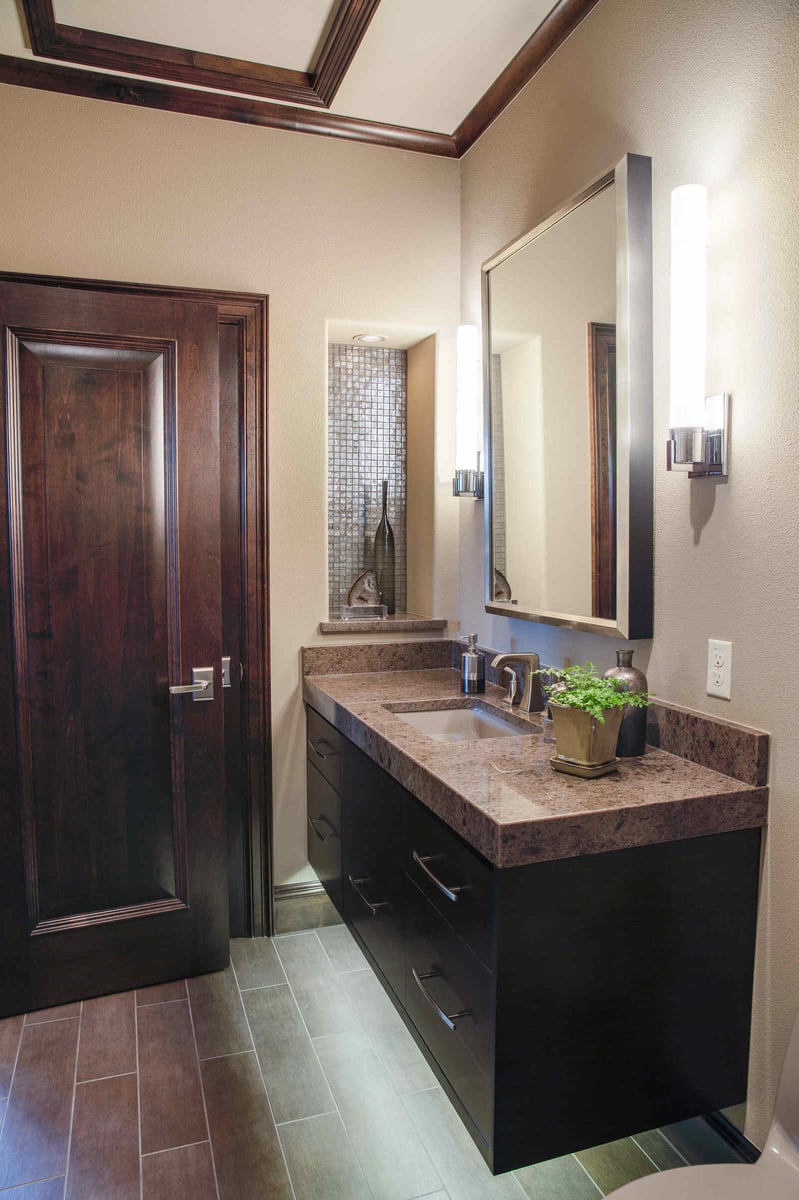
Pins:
<point x="747" y="1151"/>
<point x="290" y="891"/>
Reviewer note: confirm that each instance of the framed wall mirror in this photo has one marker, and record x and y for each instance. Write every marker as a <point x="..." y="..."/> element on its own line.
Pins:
<point x="567" y="329"/>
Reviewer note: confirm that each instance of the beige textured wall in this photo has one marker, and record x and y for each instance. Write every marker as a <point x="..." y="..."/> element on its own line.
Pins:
<point x="327" y="229"/>
<point x="710" y="91"/>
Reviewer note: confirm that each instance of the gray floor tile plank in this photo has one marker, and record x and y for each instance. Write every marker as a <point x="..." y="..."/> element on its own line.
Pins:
<point x="107" y="1036"/>
<point x="659" y="1149"/>
<point x="341" y="948"/>
<point x="294" y="1080"/>
<point x="172" y="1112"/>
<point x="390" y="1151"/>
<point x="36" y="1131"/>
<point x="45" y="1189"/>
<point x="10" y="1033"/>
<point x="104" y="1153"/>
<point x="255" y="962"/>
<point x="395" y="1047"/>
<point x="557" y="1179"/>
<point x="321" y="1161"/>
<point x="454" y="1154"/>
<point x="616" y="1163"/>
<point x="318" y="990"/>
<point x="186" y="1173"/>
<point x="296" y="913"/>
<point x="60" y="1013"/>
<point x="162" y="993"/>
<point x="247" y="1153"/>
<point x="220" y="1025"/>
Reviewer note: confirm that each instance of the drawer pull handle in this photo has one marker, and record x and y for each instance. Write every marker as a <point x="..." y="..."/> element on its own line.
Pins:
<point x="450" y="1020"/>
<point x="333" y="831"/>
<point x="315" y="746"/>
<point x="374" y="909"/>
<point x="451" y="893"/>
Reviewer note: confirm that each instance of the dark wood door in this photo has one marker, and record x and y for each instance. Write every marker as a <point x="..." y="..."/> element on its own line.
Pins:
<point x="113" y="842"/>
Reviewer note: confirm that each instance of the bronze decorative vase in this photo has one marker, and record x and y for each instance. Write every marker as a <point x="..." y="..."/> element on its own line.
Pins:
<point x="385" y="558"/>
<point x="632" y="735"/>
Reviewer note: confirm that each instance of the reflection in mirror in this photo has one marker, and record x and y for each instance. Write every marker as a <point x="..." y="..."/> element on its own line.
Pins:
<point x="570" y="489"/>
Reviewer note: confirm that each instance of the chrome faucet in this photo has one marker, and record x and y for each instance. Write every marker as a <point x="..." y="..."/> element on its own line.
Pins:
<point x="533" y="698"/>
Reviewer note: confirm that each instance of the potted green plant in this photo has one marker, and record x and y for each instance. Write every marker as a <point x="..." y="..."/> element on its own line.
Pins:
<point x="586" y="711"/>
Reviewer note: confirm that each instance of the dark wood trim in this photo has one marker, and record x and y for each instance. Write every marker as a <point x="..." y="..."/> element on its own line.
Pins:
<point x="251" y="313"/>
<point x="550" y="34"/>
<point x="349" y="25"/>
<point x="92" y="48"/>
<point x="72" y="81"/>
<point x="602" y="453"/>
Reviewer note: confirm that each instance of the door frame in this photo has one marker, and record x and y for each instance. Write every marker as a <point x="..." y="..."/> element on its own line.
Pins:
<point x="250" y="312"/>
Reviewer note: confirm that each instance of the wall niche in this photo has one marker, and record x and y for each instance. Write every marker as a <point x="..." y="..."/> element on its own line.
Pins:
<point x="366" y="443"/>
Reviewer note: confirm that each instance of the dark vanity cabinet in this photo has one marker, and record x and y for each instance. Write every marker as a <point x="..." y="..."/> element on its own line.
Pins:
<point x="323" y="771"/>
<point x="372" y="904"/>
<point x="562" y="1004"/>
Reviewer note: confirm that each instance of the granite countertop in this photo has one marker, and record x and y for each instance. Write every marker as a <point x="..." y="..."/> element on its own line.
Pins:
<point x="502" y="796"/>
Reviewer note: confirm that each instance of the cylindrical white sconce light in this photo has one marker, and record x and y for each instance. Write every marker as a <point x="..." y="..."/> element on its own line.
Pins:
<point x="699" y="423"/>
<point x="468" y="479"/>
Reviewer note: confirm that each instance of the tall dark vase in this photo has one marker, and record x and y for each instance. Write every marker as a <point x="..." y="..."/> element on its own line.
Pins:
<point x="386" y="558"/>
<point x="632" y="735"/>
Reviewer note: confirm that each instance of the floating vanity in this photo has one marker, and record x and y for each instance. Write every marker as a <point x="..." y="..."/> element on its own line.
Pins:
<point x="574" y="957"/>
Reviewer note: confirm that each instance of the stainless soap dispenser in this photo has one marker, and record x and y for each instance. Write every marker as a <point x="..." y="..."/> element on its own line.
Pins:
<point x="473" y="667"/>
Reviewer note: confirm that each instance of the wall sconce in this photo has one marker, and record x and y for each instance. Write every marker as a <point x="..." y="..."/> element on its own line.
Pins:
<point x="468" y="481"/>
<point x="699" y="434"/>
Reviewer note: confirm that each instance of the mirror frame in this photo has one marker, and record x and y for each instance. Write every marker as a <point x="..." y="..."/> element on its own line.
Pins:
<point x="634" y="406"/>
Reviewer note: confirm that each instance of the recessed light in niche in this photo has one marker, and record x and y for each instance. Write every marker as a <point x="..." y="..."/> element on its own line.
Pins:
<point x="369" y="339"/>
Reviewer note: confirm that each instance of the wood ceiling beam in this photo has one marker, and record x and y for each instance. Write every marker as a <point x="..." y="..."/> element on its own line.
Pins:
<point x="112" y="52"/>
<point x="550" y="34"/>
<point x="74" y="81"/>
<point x="317" y="89"/>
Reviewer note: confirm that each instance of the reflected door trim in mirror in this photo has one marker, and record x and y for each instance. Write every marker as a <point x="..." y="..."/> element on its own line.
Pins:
<point x="632" y="444"/>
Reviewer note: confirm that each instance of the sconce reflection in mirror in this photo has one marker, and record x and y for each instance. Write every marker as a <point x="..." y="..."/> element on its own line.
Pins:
<point x="699" y="436"/>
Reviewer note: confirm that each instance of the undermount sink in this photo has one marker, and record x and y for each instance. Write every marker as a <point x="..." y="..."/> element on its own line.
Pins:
<point x="460" y="724"/>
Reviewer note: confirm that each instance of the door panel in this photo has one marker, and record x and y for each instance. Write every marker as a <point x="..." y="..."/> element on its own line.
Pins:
<point x="111" y="411"/>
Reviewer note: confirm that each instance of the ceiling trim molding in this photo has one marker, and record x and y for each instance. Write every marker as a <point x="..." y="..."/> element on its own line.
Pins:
<point x="550" y="34"/>
<point x="90" y="47"/>
<point x="73" y="81"/>
<point x="345" y="35"/>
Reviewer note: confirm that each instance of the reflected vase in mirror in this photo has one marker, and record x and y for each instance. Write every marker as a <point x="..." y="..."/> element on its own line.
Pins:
<point x="632" y="734"/>
<point x="385" y="558"/>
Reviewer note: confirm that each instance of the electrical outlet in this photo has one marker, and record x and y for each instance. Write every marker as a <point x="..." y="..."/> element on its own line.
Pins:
<point x="719" y="669"/>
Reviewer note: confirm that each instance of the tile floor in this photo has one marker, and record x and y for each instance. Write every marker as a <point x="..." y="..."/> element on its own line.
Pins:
<point x="289" y="1076"/>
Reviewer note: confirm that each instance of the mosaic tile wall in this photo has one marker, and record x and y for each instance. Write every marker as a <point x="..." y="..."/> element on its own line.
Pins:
<point x="366" y="443"/>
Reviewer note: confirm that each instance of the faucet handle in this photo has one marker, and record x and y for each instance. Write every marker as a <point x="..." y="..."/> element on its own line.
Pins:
<point x="512" y="694"/>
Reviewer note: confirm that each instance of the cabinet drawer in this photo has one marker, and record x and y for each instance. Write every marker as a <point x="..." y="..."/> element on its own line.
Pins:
<point x="452" y="877"/>
<point x="448" y="996"/>
<point x="324" y="833"/>
<point x="324" y="748"/>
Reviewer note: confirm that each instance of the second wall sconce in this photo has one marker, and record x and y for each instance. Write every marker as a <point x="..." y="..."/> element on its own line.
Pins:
<point x="700" y="425"/>
<point x="467" y="480"/>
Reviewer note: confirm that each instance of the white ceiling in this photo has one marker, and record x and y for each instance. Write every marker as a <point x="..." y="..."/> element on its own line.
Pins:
<point x="422" y="63"/>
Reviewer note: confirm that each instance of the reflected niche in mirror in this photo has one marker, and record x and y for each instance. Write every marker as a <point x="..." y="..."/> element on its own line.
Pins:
<point x="570" y="509"/>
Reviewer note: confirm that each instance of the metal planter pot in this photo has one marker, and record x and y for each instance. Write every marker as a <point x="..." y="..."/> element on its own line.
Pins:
<point x="581" y="739"/>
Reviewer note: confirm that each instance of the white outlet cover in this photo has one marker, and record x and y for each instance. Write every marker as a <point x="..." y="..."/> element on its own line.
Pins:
<point x="719" y="668"/>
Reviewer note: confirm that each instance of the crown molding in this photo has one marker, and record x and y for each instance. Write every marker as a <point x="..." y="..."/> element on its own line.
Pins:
<point x="72" y="81"/>
<point x="349" y="25"/>
<point x="112" y="52"/>
<point x="550" y="34"/>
